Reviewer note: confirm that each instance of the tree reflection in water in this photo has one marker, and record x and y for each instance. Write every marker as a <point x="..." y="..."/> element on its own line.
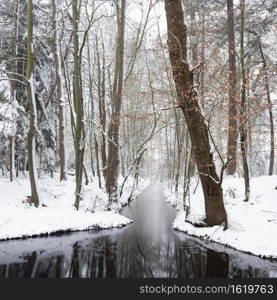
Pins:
<point x="147" y="248"/>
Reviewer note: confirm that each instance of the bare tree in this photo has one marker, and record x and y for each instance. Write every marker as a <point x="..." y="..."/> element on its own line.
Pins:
<point x="113" y="133"/>
<point x="269" y="102"/>
<point x="243" y="116"/>
<point x="188" y="101"/>
<point x="14" y="89"/>
<point x="59" y="89"/>
<point x="32" y="108"/>
<point x="79" y="142"/>
<point x="232" y="126"/>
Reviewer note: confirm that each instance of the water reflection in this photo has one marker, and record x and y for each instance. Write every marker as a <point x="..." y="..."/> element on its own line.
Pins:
<point x="148" y="248"/>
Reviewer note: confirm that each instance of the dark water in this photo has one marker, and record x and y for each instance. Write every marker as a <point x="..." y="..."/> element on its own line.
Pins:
<point x="148" y="248"/>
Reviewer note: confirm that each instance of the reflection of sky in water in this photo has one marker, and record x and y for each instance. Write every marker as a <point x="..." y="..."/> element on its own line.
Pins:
<point x="152" y="217"/>
<point x="147" y="248"/>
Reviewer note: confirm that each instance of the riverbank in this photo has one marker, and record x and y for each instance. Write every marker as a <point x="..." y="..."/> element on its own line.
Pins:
<point x="56" y="212"/>
<point x="148" y="248"/>
<point x="252" y="226"/>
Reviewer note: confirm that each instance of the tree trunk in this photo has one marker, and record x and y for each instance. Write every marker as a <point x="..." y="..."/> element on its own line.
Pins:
<point x="179" y="139"/>
<point x="113" y="154"/>
<point x="203" y="46"/>
<point x="14" y="86"/>
<point x="32" y="110"/>
<point x="269" y="102"/>
<point x="79" y="142"/>
<point x="188" y="101"/>
<point x="101" y="86"/>
<point x="12" y="169"/>
<point x="60" y="95"/>
<point x="91" y="115"/>
<point x="243" y="117"/>
<point x="232" y="126"/>
<point x="195" y="61"/>
<point x="97" y="161"/>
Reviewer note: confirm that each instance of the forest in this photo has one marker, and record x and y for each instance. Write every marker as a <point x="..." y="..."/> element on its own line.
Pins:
<point x="108" y="106"/>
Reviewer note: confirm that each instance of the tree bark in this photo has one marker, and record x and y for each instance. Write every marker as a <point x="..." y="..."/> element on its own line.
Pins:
<point x="243" y="117"/>
<point x="203" y="46"/>
<point x="188" y="101"/>
<point x="179" y="141"/>
<point x="91" y="115"/>
<point x="32" y="109"/>
<point x="233" y="111"/>
<point x="101" y="86"/>
<point x="14" y="85"/>
<point x="269" y="102"/>
<point x="97" y="161"/>
<point x="12" y="169"/>
<point x="113" y="153"/>
<point x="79" y="142"/>
<point x="195" y="61"/>
<point x="60" y="95"/>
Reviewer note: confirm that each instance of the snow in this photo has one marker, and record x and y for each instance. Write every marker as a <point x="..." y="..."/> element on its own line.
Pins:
<point x="252" y="226"/>
<point x="56" y="212"/>
<point x="7" y="128"/>
<point x="5" y="89"/>
<point x="237" y="259"/>
<point x="8" y="115"/>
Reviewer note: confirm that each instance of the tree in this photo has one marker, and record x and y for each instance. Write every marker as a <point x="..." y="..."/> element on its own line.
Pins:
<point x="79" y="142"/>
<point x="8" y="118"/>
<point x="32" y="109"/>
<point x="268" y="97"/>
<point x="59" y="89"/>
<point x="232" y="126"/>
<point x="13" y="88"/>
<point x="113" y="133"/>
<point x="188" y="101"/>
<point x="243" y="112"/>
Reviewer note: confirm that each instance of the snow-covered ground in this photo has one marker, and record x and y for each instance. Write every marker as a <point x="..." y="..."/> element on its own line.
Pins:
<point x="56" y="212"/>
<point x="252" y="226"/>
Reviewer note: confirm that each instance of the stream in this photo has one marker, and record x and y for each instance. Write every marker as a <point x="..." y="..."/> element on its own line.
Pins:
<point x="146" y="249"/>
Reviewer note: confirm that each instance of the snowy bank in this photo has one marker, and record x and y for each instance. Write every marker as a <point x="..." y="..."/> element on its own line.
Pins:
<point x="56" y="213"/>
<point x="252" y="226"/>
<point x="238" y="260"/>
